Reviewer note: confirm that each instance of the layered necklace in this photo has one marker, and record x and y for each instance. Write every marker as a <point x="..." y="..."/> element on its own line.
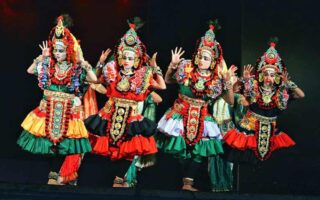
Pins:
<point x="62" y="70"/>
<point x="267" y="93"/>
<point x="202" y="77"/>
<point x="124" y="84"/>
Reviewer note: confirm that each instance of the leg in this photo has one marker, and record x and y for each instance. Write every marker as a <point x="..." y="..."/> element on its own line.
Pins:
<point x="55" y="164"/>
<point x="190" y="168"/>
<point x="120" y="171"/>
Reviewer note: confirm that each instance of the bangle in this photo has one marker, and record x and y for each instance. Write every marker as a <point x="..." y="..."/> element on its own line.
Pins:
<point x="227" y="85"/>
<point x="100" y="64"/>
<point x="158" y="71"/>
<point x="37" y="59"/>
<point x="290" y="85"/>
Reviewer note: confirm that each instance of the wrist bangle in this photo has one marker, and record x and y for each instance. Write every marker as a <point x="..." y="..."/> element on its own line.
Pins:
<point x="290" y="85"/>
<point x="227" y="85"/>
<point x="158" y="71"/>
<point x="37" y="59"/>
<point x="100" y="64"/>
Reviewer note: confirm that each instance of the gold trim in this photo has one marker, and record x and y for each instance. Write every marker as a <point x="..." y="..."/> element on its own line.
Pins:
<point x="63" y="95"/>
<point x="74" y="109"/>
<point x="192" y="101"/>
<point x="262" y="118"/>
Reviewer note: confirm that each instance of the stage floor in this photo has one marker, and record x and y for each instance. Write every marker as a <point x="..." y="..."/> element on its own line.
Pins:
<point x="26" y="177"/>
<point x="23" y="191"/>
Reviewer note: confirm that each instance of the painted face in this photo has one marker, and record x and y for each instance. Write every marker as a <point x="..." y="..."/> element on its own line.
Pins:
<point x="128" y="59"/>
<point x="59" y="52"/>
<point x="268" y="77"/>
<point x="205" y="60"/>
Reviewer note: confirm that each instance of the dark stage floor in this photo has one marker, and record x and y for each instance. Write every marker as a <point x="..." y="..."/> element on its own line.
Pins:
<point x="25" y="178"/>
<point x="23" y="191"/>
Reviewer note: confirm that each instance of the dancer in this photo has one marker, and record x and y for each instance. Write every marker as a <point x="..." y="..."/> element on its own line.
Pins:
<point x="267" y="94"/>
<point x="189" y="131"/>
<point x="55" y="127"/>
<point x="120" y="131"/>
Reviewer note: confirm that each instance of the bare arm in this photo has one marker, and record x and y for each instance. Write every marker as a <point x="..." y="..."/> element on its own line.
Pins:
<point x="228" y="85"/>
<point x="175" y="60"/>
<point x="156" y="97"/>
<point x="101" y="63"/>
<point x="45" y="52"/>
<point x="91" y="76"/>
<point x="158" y="82"/>
<point x="228" y="96"/>
<point x="169" y="74"/>
<point x="297" y="93"/>
<point x="99" y="88"/>
<point x="30" y="69"/>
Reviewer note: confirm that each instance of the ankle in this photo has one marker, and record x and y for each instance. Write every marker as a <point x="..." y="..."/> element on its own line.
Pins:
<point x="188" y="184"/>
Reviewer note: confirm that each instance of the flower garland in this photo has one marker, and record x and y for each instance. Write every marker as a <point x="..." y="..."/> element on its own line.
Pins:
<point x="213" y="85"/>
<point x="279" y="99"/>
<point x="184" y="113"/>
<point x="45" y="78"/>
<point x="43" y="75"/>
<point x="139" y="82"/>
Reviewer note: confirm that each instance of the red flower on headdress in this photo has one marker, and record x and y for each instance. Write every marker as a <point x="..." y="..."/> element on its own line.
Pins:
<point x="60" y="18"/>
<point x="273" y="44"/>
<point x="133" y="26"/>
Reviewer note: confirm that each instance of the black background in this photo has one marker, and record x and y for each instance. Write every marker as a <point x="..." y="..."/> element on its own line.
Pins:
<point x="247" y="26"/>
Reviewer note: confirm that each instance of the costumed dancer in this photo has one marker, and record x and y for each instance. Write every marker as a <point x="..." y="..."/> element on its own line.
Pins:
<point x="120" y="131"/>
<point x="189" y="131"/>
<point x="148" y="110"/>
<point x="267" y="94"/>
<point x="55" y="127"/>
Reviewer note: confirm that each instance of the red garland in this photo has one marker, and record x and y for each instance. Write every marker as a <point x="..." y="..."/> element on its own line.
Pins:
<point x="194" y="79"/>
<point x="203" y="113"/>
<point x="259" y="99"/>
<point x="66" y="122"/>
<point x="269" y="106"/>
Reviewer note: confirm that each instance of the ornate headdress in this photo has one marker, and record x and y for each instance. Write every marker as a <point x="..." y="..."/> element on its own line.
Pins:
<point x="208" y="42"/>
<point x="131" y="42"/>
<point x="61" y="35"/>
<point x="271" y="59"/>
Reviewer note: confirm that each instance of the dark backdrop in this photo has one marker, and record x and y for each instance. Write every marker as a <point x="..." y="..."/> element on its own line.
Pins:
<point x="247" y="26"/>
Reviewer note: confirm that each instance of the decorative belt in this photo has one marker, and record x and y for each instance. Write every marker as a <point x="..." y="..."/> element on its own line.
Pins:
<point x="263" y="118"/>
<point x="192" y="101"/>
<point x="124" y="101"/>
<point x="63" y="95"/>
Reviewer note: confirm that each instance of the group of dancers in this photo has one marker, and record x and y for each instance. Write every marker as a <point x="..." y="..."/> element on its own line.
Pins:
<point x="218" y="117"/>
